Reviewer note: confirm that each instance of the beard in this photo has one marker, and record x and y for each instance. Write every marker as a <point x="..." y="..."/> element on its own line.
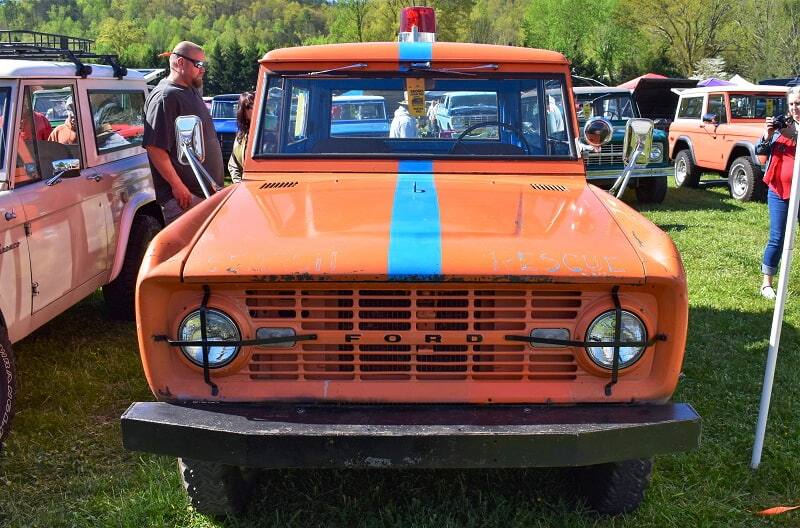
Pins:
<point x="197" y="82"/>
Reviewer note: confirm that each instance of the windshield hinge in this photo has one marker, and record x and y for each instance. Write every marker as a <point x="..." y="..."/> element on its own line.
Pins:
<point x="27" y="227"/>
<point x="34" y="289"/>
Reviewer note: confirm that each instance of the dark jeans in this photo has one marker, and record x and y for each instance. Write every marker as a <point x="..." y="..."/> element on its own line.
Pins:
<point x="778" y="210"/>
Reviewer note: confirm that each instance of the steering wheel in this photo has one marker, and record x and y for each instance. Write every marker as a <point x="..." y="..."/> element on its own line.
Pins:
<point x="483" y="124"/>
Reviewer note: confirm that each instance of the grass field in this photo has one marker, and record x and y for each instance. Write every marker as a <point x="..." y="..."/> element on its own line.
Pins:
<point x="64" y="464"/>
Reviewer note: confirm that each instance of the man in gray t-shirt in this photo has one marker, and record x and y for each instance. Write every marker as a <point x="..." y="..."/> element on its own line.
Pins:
<point x="176" y="185"/>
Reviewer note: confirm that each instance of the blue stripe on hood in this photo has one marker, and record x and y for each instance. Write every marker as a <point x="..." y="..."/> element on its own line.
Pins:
<point x="415" y="235"/>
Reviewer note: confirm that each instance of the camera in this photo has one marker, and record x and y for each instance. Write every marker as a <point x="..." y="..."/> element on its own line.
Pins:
<point x="781" y="121"/>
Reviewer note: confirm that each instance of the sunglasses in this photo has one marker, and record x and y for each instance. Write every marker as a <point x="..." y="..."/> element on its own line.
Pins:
<point x="200" y="64"/>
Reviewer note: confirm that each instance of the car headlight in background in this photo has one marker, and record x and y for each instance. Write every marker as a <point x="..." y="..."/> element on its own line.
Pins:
<point x="656" y="152"/>
<point x="458" y="122"/>
<point x="219" y="327"/>
<point x="602" y="329"/>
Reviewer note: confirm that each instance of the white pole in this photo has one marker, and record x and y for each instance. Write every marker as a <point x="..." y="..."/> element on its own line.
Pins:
<point x="777" y="316"/>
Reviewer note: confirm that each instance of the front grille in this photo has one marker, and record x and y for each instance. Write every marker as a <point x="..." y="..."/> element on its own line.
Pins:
<point x="609" y="154"/>
<point x="394" y="329"/>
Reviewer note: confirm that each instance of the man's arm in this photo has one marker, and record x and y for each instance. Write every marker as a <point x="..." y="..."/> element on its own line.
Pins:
<point x="160" y="159"/>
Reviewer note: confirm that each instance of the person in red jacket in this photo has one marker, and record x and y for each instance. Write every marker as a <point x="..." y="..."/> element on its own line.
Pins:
<point x="779" y="145"/>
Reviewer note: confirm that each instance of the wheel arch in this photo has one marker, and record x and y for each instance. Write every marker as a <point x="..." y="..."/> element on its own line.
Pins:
<point x="683" y="143"/>
<point x="742" y="149"/>
<point x="143" y="203"/>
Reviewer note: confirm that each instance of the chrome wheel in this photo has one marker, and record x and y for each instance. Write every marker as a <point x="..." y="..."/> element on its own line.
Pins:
<point x="680" y="171"/>
<point x="739" y="181"/>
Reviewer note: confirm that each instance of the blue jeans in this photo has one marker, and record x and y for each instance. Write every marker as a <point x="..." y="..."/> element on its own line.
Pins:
<point x="778" y="210"/>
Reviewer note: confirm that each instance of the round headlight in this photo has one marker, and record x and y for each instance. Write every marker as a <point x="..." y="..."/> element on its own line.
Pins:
<point x="656" y="152"/>
<point x="602" y="329"/>
<point x="219" y="327"/>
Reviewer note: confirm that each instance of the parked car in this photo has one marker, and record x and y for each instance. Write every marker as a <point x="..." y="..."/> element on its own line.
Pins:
<point x="223" y="113"/>
<point x="53" y="104"/>
<point x="425" y="302"/>
<point x="77" y="206"/>
<point x="456" y="111"/>
<point x="716" y="129"/>
<point x="359" y="116"/>
<point x="602" y="168"/>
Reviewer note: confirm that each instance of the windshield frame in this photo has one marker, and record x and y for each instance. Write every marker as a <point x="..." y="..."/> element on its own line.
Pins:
<point x="272" y="80"/>
<point x="7" y="91"/>
<point x="599" y="95"/>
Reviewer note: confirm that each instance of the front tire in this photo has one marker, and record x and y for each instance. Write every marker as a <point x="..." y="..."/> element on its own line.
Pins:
<point x="8" y="385"/>
<point x="617" y="487"/>
<point x="120" y="294"/>
<point x="744" y="180"/>
<point x="686" y="172"/>
<point x="651" y="190"/>
<point x="216" y="489"/>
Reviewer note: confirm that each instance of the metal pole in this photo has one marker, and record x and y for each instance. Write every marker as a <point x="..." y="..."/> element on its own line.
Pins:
<point x="777" y="316"/>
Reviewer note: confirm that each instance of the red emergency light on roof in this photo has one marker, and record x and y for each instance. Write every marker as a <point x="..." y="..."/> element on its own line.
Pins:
<point x="417" y="24"/>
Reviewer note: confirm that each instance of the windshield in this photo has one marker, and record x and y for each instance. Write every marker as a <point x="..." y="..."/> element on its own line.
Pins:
<point x="224" y="109"/>
<point x="613" y="106"/>
<point x="757" y="106"/>
<point x="5" y="94"/>
<point x="405" y="116"/>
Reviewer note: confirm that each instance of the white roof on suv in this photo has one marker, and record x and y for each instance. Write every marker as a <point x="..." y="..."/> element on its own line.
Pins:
<point x="15" y="68"/>
<point x="599" y="89"/>
<point x="738" y="88"/>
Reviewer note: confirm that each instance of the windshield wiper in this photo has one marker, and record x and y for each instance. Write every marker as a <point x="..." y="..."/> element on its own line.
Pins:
<point x="426" y="66"/>
<point x="357" y="65"/>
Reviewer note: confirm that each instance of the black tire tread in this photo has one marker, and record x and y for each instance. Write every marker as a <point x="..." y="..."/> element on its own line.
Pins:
<point x="120" y="293"/>
<point x="651" y="190"/>
<point x="8" y="385"/>
<point x="758" y="190"/>
<point x="617" y="487"/>
<point x="216" y="489"/>
<point x="692" y="173"/>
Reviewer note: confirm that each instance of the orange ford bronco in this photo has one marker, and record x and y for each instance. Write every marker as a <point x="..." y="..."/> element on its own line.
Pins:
<point x="415" y="299"/>
<point x="716" y="129"/>
<point x="77" y="205"/>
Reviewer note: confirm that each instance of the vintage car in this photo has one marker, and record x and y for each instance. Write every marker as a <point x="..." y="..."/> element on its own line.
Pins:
<point x="77" y="208"/>
<point x="716" y="129"/>
<point x="423" y="302"/>
<point x="223" y="113"/>
<point x="603" y="167"/>
<point x="359" y="116"/>
<point x="457" y="111"/>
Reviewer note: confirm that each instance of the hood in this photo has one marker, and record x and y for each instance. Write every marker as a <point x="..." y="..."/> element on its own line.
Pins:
<point x="414" y="227"/>
<point x="401" y="111"/>
<point x="225" y="126"/>
<point x="656" y="99"/>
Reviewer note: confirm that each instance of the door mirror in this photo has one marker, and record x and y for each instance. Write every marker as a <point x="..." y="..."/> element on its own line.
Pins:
<point x="638" y="134"/>
<point x="709" y="118"/>
<point x="189" y="132"/>
<point x="597" y="131"/>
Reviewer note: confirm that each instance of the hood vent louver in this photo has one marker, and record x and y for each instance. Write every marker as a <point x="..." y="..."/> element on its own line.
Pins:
<point x="278" y="185"/>
<point x="546" y="187"/>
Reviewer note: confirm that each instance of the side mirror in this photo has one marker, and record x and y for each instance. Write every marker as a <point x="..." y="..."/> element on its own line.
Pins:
<point x="638" y="134"/>
<point x="597" y="132"/>
<point x="189" y="132"/>
<point x="711" y="119"/>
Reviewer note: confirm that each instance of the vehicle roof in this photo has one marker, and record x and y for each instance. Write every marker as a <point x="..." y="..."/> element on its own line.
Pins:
<point x="599" y="89"/>
<point x="16" y="68"/>
<point x="762" y="88"/>
<point x="459" y="94"/>
<point x="329" y="55"/>
<point x="357" y="98"/>
<point x="226" y="97"/>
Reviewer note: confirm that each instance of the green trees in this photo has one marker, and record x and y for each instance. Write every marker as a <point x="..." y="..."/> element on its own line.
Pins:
<point x="611" y="40"/>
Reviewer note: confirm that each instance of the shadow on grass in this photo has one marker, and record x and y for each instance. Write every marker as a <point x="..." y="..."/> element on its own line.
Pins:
<point x="413" y="498"/>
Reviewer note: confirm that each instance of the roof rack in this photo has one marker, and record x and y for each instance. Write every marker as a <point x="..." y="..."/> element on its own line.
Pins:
<point x="35" y="45"/>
